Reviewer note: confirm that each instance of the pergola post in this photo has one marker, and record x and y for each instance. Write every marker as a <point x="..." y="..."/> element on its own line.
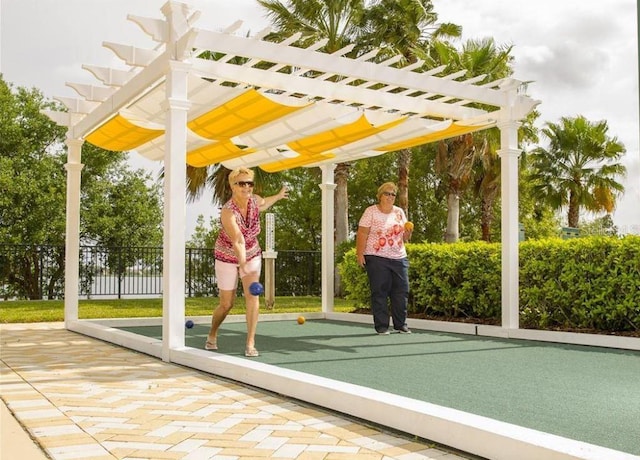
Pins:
<point x="176" y="106"/>
<point x="72" y="236"/>
<point x="509" y="155"/>
<point x="328" y="243"/>
<point x="173" y="302"/>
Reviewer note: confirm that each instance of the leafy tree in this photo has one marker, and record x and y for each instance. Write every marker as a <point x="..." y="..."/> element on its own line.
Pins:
<point x="200" y="261"/>
<point x="204" y="236"/>
<point x="487" y="181"/>
<point x="427" y="203"/>
<point x="118" y="205"/>
<point x="33" y="194"/>
<point x="454" y="163"/>
<point x="120" y="210"/>
<point x="580" y="167"/>
<point x="123" y="211"/>
<point x="298" y="220"/>
<point x="538" y="218"/>
<point x="32" y="179"/>
<point x="403" y="27"/>
<point x="487" y="171"/>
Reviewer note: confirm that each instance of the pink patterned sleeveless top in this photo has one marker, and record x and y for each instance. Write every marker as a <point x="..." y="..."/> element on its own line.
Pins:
<point x="250" y="228"/>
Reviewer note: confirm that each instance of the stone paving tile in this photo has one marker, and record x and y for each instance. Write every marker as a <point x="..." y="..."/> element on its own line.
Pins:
<point x="86" y="399"/>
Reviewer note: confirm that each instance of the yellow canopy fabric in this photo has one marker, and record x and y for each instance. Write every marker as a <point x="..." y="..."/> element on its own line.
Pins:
<point x="241" y="122"/>
<point x="215" y="153"/>
<point x="318" y="147"/>
<point x="234" y="117"/>
<point x="452" y="131"/>
<point x="119" y="134"/>
<point x="241" y="114"/>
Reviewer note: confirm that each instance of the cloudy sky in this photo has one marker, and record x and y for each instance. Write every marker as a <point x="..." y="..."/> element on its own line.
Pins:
<point x="581" y="56"/>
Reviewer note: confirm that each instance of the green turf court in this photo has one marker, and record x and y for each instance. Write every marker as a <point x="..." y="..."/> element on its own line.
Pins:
<point x="589" y="394"/>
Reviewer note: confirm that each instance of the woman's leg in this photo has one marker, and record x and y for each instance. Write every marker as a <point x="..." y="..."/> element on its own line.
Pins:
<point x="227" y="280"/>
<point x="252" y="302"/>
<point x="220" y="313"/>
<point x="399" y="292"/>
<point x="380" y="284"/>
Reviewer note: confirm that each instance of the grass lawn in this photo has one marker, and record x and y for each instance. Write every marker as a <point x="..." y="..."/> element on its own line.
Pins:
<point x="33" y="311"/>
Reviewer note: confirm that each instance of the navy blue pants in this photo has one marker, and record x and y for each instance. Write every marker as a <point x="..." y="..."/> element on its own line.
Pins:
<point x="389" y="283"/>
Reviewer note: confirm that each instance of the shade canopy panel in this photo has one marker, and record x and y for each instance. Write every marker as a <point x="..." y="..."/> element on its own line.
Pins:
<point x="120" y="134"/>
<point x="243" y="113"/>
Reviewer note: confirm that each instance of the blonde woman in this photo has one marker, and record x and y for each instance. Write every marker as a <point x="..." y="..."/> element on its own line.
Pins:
<point x="238" y="254"/>
<point x="381" y="251"/>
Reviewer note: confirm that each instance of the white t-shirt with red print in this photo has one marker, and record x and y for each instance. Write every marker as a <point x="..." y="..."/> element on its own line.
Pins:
<point x="386" y="232"/>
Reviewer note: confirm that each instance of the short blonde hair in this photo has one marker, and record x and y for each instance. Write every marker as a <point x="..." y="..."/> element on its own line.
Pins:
<point x="239" y="172"/>
<point x="386" y="187"/>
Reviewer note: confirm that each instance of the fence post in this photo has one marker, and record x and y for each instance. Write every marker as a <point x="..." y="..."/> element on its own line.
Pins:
<point x="189" y="252"/>
<point x="119" y="272"/>
<point x="40" y="269"/>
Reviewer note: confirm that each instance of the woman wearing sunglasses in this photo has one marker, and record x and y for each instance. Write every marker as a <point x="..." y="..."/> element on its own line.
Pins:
<point x="380" y="250"/>
<point x="238" y="253"/>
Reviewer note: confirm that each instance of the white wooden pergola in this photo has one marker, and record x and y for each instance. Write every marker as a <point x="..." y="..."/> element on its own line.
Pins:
<point x="274" y="106"/>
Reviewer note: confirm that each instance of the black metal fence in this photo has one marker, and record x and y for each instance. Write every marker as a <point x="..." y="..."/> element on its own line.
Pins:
<point x="37" y="272"/>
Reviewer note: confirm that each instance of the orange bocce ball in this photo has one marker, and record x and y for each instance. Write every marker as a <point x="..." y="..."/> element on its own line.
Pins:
<point x="300" y="319"/>
<point x="408" y="226"/>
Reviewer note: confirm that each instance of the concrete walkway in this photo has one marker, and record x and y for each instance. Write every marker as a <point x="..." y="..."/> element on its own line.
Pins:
<point x="81" y="398"/>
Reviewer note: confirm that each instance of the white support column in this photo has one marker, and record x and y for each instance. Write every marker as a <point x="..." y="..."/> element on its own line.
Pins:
<point x="328" y="241"/>
<point x="72" y="241"/>
<point x="509" y="154"/>
<point x="173" y="304"/>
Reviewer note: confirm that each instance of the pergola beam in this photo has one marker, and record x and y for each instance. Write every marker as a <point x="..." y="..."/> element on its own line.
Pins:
<point x="139" y="84"/>
<point x="327" y="63"/>
<point x="315" y="87"/>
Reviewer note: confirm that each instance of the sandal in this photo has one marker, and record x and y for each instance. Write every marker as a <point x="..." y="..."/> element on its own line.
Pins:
<point x="251" y="352"/>
<point x="211" y="345"/>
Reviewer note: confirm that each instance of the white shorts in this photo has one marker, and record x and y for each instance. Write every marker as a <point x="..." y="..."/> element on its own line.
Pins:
<point x="227" y="273"/>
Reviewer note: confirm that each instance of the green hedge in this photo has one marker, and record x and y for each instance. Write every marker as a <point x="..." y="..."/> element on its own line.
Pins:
<point x="580" y="284"/>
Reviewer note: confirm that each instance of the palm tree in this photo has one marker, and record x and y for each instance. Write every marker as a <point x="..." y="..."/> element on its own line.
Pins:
<point x="579" y="169"/>
<point x="457" y="155"/>
<point x="403" y="27"/>
<point x="487" y="184"/>
<point x="454" y="162"/>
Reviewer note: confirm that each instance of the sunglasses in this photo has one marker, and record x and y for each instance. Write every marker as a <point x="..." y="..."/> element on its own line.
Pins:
<point x="244" y="183"/>
<point x="388" y="194"/>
